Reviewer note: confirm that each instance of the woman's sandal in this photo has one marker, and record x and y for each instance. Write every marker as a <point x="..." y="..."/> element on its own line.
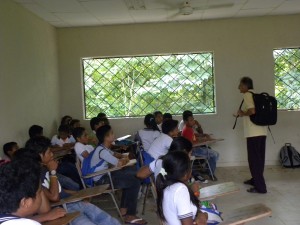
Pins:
<point x="134" y="221"/>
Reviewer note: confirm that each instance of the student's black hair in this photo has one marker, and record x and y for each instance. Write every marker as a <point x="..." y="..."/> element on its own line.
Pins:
<point x="65" y="119"/>
<point x="247" y="81"/>
<point x="73" y="121"/>
<point x="181" y="144"/>
<point x="167" y="116"/>
<point x="169" y="125"/>
<point x="156" y="113"/>
<point x="94" y="121"/>
<point x="102" y="132"/>
<point x="35" y="130"/>
<point x="149" y="122"/>
<point x="38" y="144"/>
<point x="24" y="154"/>
<point x="187" y="112"/>
<point x="101" y="115"/>
<point x="78" y="132"/>
<point x="64" y="128"/>
<point x="8" y="147"/>
<point x="176" y="164"/>
<point x="186" y="116"/>
<point x="18" y="180"/>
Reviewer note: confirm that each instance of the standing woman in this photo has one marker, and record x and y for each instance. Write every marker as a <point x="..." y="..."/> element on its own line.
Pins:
<point x="256" y="139"/>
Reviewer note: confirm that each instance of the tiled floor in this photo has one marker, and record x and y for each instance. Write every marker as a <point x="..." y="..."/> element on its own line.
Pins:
<point x="283" y="196"/>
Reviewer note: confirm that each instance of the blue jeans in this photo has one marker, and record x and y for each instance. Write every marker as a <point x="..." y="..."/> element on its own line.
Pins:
<point x="67" y="183"/>
<point x="90" y="214"/>
<point x="208" y="153"/>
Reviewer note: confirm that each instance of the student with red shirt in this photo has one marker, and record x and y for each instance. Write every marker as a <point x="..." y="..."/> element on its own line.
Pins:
<point x="202" y="151"/>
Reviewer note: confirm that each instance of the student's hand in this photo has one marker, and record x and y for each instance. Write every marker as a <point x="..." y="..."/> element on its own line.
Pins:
<point x="56" y="213"/>
<point x="123" y="161"/>
<point x="131" y="156"/>
<point x="201" y="219"/>
<point x="52" y="165"/>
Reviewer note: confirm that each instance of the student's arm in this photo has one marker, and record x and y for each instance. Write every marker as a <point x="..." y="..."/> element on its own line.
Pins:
<point x="53" y="192"/>
<point x="199" y="128"/>
<point x="110" y="158"/>
<point x="187" y="221"/>
<point x="50" y="215"/>
<point x="201" y="218"/>
<point x="118" y="155"/>
<point x="85" y="154"/>
<point x="249" y="105"/>
<point x="45" y="205"/>
<point x="144" y="172"/>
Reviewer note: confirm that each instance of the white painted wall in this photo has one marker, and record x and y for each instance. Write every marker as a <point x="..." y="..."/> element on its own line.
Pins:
<point x="29" y="82"/>
<point x="241" y="47"/>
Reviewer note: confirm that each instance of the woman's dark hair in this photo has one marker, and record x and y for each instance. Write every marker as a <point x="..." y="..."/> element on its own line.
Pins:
<point x="66" y="120"/>
<point x="181" y="144"/>
<point x="24" y="154"/>
<point x="35" y="130"/>
<point x="167" y="116"/>
<point x="149" y="122"/>
<point x="8" y="147"/>
<point x="102" y="132"/>
<point x="78" y="132"/>
<point x="18" y="180"/>
<point x="64" y="128"/>
<point x="247" y="81"/>
<point x="176" y="164"/>
<point x="38" y="144"/>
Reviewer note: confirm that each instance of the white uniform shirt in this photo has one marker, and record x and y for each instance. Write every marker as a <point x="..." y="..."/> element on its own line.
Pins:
<point x="19" y="221"/>
<point x="155" y="167"/>
<point x="177" y="204"/>
<point x="60" y="142"/>
<point x="160" y="146"/>
<point x="147" y="137"/>
<point x="80" y="148"/>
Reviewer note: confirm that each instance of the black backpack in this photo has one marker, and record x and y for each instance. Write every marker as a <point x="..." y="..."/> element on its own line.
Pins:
<point x="265" y="109"/>
<point x="289" y="157"/>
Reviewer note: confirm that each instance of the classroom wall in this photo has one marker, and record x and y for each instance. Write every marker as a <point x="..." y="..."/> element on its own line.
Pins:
<point x="241" y="47"/>
<point x="29" y="84"/>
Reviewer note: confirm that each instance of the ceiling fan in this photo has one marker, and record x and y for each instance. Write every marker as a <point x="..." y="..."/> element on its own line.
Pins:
<point x="187" y="9"/>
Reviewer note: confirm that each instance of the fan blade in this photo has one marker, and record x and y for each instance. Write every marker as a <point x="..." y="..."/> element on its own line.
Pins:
<point x="219" y="6"/>
<point x="168" y="4"/>
<point x="174" y="15"/>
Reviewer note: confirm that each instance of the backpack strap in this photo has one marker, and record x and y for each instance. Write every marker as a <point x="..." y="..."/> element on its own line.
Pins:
<point x="271" y="133"/>
<point x="238" y="115"/>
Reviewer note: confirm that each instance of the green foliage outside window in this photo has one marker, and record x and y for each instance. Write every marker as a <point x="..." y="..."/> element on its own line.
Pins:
<point x="135" y="86"/>
<point x="287" y="78"/>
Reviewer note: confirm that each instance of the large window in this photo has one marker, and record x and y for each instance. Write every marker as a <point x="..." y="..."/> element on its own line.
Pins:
<point x="135" y="86"/>
<point x="287" y="77"/>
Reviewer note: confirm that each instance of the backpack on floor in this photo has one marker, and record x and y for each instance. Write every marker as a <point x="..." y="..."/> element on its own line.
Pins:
<point x="289" y="157"/>
<point x="86" y="167"/>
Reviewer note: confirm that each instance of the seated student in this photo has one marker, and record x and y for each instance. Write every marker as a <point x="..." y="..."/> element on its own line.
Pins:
<point x="95" y="123"/>
<point x="90" y="214"/>
<point x="73" y="124"/>
<point x="158" y="119"/>
<point x="167" y="116"/>
<point x="66" y="120"/>
<point x="9" y="149"/>
<point x="178" y="144"/>
<point x="147" y="135"/>
<point x="81" y="147"/>
<point x="161" y="145"/>
<point x="176" y="202"/>
<point x="35" y="131"/>
<point x="63" y="139"/>
<point x="20" y="194"/>
<point x="189" y="134"/>
<point x="122" y="179"/>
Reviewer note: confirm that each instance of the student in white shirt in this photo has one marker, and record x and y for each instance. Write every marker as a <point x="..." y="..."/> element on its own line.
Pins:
<point x="24" y="199"/>
<point x="176" y="202"/>
<point x="161" y="145"/>
<point x="147" y="135"/>
<point x="124" y="179"/>
<point x="81" y="147"/>
<point x="63" y="139"/>
<point x="158" y="119"/>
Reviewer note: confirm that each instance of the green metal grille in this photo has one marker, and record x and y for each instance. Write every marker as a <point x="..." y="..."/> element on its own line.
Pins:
<point x="135" y="86"/>
<point x="287" y="78"/>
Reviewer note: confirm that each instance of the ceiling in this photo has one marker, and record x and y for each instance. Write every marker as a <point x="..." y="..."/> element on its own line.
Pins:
<point x="74" y="13"/>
